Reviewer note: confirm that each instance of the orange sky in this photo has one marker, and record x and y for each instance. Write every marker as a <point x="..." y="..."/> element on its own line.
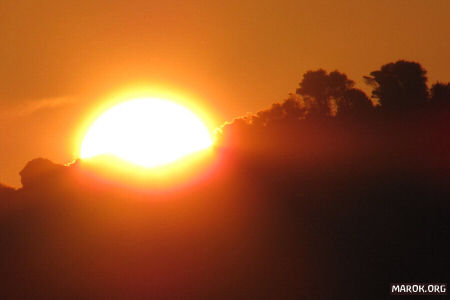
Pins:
<point x="60" y="58"/>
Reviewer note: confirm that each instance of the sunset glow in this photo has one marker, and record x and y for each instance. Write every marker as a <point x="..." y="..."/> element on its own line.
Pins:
<point x="147" y="132"/>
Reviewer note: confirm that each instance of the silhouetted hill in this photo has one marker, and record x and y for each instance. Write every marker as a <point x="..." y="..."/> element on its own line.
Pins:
<point x="299" y="205"/>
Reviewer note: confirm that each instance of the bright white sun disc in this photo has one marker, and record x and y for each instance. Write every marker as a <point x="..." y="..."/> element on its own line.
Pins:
<point x="148" y="132"/>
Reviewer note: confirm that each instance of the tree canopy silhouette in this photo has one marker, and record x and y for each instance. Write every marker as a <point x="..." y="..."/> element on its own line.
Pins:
<point x="293" y="201"/>
<point x="331" y="94"/>
<point x="399" y="86"/>
<point x="440" y="94"/>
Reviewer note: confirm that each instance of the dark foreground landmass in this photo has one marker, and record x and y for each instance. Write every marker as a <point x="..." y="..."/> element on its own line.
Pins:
<point x="303" y="204"/>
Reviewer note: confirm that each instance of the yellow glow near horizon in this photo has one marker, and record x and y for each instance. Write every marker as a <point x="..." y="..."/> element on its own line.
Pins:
<point x="147" y="132"/>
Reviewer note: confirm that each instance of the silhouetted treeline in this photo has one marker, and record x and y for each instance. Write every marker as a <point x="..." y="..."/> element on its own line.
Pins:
<point x="326" y="195"/>
<point x="327" y="109"/>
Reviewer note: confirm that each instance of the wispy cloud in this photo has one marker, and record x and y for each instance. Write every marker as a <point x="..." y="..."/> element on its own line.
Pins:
<point x="26" y="108"/>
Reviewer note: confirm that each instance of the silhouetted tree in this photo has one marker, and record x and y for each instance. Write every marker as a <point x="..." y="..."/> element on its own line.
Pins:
<point x="326" y="94"/>
<point x="399" y="86"/>
<point x="36" y="171"/>
<point x="314" y="87"/>
<point x="440" y="93"/>
<point x="290" y="109"/>
<point x="353" y="101"/>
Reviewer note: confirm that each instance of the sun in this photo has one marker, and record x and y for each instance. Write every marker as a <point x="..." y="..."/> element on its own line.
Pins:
<point x="147" y="132"/>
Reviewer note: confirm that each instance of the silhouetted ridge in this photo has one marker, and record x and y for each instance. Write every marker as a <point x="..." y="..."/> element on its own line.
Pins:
<point x="39" y="171"/>
<point x="320" y="196"/>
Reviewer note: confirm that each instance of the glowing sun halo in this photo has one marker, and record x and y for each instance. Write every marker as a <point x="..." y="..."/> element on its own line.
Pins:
<point x="147" y="132"/>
